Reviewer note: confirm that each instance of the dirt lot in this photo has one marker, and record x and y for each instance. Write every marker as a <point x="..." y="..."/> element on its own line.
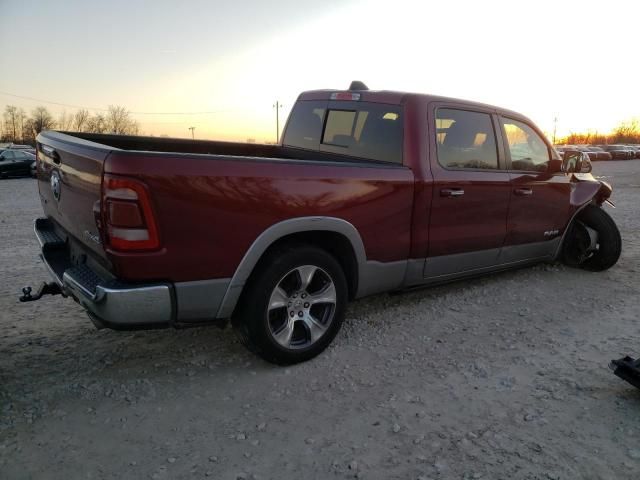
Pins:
<point x="499" y="378"/>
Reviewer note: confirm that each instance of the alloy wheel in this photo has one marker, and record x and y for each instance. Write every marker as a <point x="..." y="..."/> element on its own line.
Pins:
<point x="301" y="307"/>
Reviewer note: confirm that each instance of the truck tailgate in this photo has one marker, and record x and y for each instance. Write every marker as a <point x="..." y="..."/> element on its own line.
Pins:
<point x="69" y="182"/>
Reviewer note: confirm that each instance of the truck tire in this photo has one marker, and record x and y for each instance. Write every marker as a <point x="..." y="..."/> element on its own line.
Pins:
<point x="609" y="244"/>
<point x="293" y="305"/>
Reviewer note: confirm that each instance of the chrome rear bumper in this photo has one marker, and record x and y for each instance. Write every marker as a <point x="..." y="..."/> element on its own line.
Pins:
<point x="122" y="306"/>
<point x="110" y="303"/>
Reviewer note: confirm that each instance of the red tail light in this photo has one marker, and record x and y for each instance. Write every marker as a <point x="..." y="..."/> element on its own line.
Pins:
<point x="128" y="216"/>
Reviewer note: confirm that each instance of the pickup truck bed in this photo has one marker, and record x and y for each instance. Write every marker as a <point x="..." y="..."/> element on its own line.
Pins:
<point x="212" y="207"/>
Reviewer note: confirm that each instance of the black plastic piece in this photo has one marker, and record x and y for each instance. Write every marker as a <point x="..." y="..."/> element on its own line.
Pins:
<point x="50" y="288"/>
<point x="358" y="85"/>
<point x="627" y="369"/>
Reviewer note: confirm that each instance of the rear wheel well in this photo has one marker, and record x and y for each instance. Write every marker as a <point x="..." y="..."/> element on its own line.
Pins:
<point x="332" y="242"/>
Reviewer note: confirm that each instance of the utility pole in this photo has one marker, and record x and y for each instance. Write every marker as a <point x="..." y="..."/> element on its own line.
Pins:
<point x="277" y="106"/>
<point x="555" y="124"/>
<point x="193" y="135"/>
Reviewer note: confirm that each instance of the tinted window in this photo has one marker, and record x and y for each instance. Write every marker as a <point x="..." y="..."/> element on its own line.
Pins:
<point x="7" y="154"/>
<point x="465" y="139"/>
<point x="305" y="125"/>
<point x="528" y="150"/>
<point x="356" y="129"/>
<point x="365" y="130"/>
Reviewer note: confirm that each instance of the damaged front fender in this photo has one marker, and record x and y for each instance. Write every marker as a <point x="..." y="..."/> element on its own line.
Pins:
<point x="586" y="188"/>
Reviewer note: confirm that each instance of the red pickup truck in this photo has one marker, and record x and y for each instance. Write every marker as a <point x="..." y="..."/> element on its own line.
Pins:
<point x="369" y="191"/>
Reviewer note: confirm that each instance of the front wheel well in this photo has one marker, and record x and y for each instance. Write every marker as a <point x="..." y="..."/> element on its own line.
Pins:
<point x="334" y="243"/>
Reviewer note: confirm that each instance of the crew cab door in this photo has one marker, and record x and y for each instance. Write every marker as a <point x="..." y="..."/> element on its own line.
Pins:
<point x="539" y="200"/>
<point x="468" y="221"/>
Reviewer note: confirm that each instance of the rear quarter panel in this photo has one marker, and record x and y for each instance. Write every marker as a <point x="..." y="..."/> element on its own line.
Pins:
<point x="210" y="209"/>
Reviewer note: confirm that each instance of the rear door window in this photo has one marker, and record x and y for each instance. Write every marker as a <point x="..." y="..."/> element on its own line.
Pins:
<point x="466" y="140"/>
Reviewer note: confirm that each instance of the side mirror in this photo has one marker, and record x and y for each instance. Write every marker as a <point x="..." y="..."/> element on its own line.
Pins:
<point x="577" y="162"/>
<point x="585" y="164"/>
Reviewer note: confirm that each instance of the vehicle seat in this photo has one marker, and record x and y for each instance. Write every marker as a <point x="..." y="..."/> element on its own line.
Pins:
<point x="342" y="140"/>
<point x="460" y="150"/>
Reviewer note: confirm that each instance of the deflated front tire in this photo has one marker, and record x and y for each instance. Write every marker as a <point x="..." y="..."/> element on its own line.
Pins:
<point x="581" y="250"/>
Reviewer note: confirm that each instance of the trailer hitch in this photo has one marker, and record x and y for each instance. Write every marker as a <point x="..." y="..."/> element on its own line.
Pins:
<point x="50" y="288"/>
<point x="627" y="369"/>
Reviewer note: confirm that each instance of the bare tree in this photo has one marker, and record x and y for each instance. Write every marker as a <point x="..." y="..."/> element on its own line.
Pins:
<point x="80" y="120"/>
<point x="11" y="121"/>
<point x="96" y="124"/>
<point x="627" y="132"/>
<point x="119" y="121"/>
<point x="28" y="132"/>
<point x="65" y="121"/>
<point x="41" y="120"/>
<point x="22" y="119"/>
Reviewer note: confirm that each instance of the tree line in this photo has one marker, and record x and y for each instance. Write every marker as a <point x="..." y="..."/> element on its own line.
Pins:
<point x="625" y="133"/>
<point x="17" y="126"/>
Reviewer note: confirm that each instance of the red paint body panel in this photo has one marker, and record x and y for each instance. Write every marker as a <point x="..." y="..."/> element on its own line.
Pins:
<point x="546" y="209"/>
<point x="210" y="211"/>
<point x="475" y="221"/>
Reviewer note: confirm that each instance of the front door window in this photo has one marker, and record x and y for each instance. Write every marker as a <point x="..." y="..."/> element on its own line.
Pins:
<point x="529" y="152"/>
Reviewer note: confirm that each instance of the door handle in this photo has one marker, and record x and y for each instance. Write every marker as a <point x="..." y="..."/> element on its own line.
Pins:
<point x="523" y="192"/>
<point x="451" y="192"/>
<point x="51" y="152"/>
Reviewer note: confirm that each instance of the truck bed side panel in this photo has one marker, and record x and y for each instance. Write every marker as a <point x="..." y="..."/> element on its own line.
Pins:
<point x="211" y="209"/>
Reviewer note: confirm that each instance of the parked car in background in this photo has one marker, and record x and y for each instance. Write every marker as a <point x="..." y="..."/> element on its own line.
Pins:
<point x="618" y="152"/>
<point x="15" y="163"/>
<point x="24" y="148"/>
<point x="600" y="154"/>
<point x="585" y="149"/>
<point x="635" y="149"/>
<point x="591" y="153"/>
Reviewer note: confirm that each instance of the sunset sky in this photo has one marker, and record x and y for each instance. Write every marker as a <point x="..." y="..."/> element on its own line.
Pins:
<point x="221" y="65"/>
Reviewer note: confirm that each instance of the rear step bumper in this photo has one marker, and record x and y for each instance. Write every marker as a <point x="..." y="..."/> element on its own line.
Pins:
<point x="110" y="303"/>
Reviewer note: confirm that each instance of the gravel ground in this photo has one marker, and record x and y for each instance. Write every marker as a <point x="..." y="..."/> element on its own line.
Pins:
<point x="503" y="377"/>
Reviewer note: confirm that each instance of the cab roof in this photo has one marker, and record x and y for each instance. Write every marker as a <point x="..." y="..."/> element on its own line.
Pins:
<point x="401" y="98"/>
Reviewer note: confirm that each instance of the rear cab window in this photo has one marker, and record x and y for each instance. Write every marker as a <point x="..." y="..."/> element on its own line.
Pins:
<point x="351" y="128"/>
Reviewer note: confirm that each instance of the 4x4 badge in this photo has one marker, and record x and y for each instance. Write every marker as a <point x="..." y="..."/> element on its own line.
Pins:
<point x="55" y="185"/>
